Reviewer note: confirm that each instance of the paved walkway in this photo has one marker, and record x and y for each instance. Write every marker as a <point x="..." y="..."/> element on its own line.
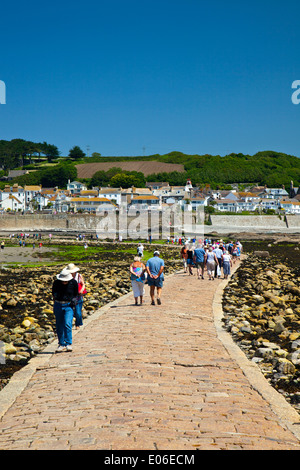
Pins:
<point x="148" y="378"/>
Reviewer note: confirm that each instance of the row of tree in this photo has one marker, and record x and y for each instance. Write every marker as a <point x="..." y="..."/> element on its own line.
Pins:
<point x="19" y="152"/>
<point x="268" y="168"/>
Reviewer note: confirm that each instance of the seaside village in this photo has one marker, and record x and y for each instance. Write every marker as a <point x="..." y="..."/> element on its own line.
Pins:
<point x="156" y="196"/>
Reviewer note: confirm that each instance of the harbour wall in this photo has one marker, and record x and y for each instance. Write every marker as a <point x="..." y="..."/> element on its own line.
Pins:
<point x="14" y="223"/>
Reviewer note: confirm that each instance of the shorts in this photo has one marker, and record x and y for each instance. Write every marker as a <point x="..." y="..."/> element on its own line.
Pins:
<point x="211" y="268"/>
<point x="199" y="264"/>
<point x="154" y="282"/>
<point x="138" y="288"/>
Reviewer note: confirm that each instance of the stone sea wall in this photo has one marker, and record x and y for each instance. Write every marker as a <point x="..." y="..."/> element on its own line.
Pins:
<point x="255" y="224"/>
<point x="221" y="224"/>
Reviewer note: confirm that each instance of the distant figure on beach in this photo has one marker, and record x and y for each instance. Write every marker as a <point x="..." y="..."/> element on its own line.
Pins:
<point x="155" y="268"/>
<point x="140" y="250"/>
<point x="2" y="245"/>
<point x="137" y="276"/>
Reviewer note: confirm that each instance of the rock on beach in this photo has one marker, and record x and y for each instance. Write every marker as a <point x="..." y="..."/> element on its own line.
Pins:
<point x="261" y="306"/>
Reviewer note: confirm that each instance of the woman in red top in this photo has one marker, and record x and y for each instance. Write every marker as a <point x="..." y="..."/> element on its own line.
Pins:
<point x="184" y="256"/>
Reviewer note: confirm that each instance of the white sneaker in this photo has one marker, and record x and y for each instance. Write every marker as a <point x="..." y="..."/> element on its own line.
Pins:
<point x="69" y="348"/>
<point x="61" y="349"/>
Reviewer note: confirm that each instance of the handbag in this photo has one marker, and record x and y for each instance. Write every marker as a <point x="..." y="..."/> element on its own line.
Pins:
<point x="79" y="289"/>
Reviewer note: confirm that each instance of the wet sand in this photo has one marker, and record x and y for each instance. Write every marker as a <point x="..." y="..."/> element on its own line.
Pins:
<point x="22" y="255"/>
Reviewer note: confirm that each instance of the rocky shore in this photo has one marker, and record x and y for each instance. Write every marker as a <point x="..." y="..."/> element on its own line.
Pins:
<point x="261" y="306"/>
<point x="27" y="322"/>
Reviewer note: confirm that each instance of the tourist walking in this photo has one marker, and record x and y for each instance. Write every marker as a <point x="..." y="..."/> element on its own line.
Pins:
<point x="199" y="260"/>
<point x="74" y="270"/>
<point x="219" y="252"/>
<point x="227" y="264"/>
<point x="140" y="250"/>
<point x="64" y="291"/>
<point x="211" y="262"/>
<point x="137" y="276"/>
<point x="183" y="255"/>
<point x="190" y="259"/>
<point x="155" y="278"/>
<point x="234" y="253"/>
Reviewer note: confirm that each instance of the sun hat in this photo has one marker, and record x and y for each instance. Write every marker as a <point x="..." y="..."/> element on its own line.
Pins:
<point x="72" y="268"/>
<point x="156" y="252"/>
<point x="64" y="275"/>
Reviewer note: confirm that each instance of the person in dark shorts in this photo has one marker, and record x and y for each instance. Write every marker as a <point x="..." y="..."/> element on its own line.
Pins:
<point x="155" y="268"/>
<point x="199" y="260"/>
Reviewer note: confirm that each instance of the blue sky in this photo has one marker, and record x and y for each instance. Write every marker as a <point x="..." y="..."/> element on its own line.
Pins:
<point x="128" y="77"/>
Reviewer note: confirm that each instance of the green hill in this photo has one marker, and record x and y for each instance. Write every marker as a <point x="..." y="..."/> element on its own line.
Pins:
<point x="270" y="168"/>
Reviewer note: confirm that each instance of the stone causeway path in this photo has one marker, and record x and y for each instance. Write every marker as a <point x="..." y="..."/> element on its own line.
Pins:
<point x="163" y="377"/>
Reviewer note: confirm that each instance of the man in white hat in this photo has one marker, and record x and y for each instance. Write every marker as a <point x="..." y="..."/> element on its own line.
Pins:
<point x="74" y="270"/>
<point x="64" y="291"/>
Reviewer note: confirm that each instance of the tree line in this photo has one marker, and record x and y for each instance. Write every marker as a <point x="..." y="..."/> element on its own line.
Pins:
<point x="19" y="152"/>
<point x="266" y="168"/>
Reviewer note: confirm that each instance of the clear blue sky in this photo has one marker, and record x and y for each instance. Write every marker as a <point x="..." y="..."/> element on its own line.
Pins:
<point x="127" y="77"/>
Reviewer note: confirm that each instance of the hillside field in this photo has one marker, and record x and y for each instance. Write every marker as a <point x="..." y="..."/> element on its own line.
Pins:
<point x="87" y="170"/>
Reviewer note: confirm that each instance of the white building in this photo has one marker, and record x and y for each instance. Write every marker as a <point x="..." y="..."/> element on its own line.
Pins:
<point x="89" y="204"/>
<point x="75" y="187"/>
<point x="113" y="194"/>
<point x="10" y="202"/>
<point x="290" y="206"/>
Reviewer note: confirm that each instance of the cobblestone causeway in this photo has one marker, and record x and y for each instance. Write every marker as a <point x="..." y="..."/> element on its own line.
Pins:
<point x="146" y="378"/>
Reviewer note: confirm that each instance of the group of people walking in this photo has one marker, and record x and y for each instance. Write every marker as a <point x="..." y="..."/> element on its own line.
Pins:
<point x="68" y="289"/>
<point x="214" y="257"/>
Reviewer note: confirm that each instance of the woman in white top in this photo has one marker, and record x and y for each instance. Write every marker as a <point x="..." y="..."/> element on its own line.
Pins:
<point x="211" y="262"/>
<point x="227" y="262"/>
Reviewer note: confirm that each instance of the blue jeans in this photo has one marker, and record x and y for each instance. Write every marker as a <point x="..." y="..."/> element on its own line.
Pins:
<point x="64" y="321"/>
<point x="78" y="312"/>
